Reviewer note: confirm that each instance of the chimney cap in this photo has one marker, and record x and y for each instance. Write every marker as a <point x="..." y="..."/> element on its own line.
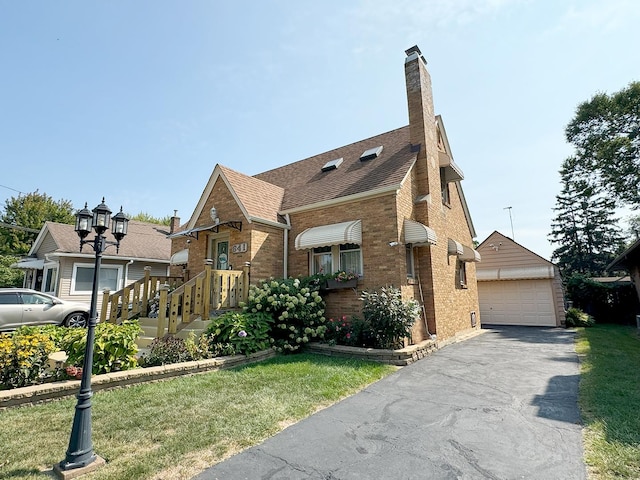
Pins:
<point x="413" y="49"/>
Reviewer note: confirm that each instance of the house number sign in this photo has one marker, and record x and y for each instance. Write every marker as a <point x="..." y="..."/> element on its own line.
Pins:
<point x="239" y="247"/>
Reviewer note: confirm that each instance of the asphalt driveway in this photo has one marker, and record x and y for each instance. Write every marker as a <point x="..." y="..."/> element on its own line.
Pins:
<point x="502" y="405"/>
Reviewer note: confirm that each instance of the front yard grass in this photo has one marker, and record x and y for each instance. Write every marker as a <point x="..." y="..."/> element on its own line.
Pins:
<point x="610" y="400"/>
<point x="176" y="428"/>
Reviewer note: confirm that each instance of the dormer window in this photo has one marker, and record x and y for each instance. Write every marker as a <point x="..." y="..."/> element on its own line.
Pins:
<point x="371" y="154"/>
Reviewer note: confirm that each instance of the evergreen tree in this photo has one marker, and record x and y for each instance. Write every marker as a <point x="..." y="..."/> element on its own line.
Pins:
<point x="24" y="216"/>
<point x="584" y="228"/>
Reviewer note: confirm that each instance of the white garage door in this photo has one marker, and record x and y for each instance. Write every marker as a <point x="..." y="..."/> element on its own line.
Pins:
<point x="517" y="302"/>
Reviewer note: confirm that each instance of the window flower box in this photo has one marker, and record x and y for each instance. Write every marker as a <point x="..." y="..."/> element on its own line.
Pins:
<point x="335" y="284"/>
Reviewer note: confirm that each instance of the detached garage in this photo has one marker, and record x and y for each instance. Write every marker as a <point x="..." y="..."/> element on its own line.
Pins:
<point x="517" y="286"/>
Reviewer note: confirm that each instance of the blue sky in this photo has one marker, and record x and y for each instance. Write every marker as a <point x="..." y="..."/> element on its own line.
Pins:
<point x="137" y="101"/>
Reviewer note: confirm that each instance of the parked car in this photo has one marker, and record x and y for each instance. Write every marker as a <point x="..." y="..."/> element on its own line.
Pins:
<point x="22" y="306"/>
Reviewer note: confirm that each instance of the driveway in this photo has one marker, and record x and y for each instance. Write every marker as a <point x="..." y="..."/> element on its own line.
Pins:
<point x="502" y="405"/>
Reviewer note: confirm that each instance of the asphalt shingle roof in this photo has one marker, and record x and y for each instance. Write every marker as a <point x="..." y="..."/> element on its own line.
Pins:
<point x="304" y="183"/>
<point x="143" y="240"/>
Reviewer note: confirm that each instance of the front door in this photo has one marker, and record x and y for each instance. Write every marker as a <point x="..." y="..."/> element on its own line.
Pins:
<point x="222" y="254"/>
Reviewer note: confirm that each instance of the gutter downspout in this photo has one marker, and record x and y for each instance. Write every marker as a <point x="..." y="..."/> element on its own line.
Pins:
<point x="126" y="273"/>
<point x="285" y="263"/>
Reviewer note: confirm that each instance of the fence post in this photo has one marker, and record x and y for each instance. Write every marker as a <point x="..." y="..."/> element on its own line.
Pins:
<point x="206" y="290"/>
<point x="246" y="279"/>
<point x="162" y="310"/>
<point x="105" y="304"/>
<point x="145" y="292"/>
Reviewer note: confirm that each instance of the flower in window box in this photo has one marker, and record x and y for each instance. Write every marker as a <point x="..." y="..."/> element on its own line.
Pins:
<point x="343" y="276"/>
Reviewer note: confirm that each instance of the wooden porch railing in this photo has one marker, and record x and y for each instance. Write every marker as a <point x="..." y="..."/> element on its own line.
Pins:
<point x="210" y="290"/>
<point x="133" y="300"/>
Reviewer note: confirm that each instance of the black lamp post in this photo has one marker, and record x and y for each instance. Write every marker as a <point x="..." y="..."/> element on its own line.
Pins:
<point x="80" y="452"/>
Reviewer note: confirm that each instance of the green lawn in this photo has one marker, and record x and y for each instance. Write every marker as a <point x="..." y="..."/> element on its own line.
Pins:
<point x="610" y="400"/>
<point x="174" y="429"/>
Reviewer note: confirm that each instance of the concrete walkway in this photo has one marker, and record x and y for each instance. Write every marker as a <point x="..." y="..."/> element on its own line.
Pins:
<point x="502" y="405"/>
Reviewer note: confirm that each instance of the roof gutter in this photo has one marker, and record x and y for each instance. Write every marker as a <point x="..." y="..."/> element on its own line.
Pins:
<point x="349" y="198"/>
<point x="112" y="257"/>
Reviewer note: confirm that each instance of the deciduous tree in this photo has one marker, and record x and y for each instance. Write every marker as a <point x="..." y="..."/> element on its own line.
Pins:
<point x="606" y="134"/>
<point x="24" y="216"/>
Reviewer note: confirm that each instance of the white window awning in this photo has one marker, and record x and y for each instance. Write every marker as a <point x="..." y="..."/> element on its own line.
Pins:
<point x="334" y="234"/>
<point x="515" y="273"/>
<point x="452" y="171"/>
<point x="466" y="254"/>
<point x="180" y="258"/>
<point x="454" y="248"/>
<point x="469" y="255"/>
<point x="418" y="234"/>
<point x="29" y="264"/>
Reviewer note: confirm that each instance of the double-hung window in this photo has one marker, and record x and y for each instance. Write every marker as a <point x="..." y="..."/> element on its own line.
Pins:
<point x="82" y="278"/>
<point x="346" y="257"/>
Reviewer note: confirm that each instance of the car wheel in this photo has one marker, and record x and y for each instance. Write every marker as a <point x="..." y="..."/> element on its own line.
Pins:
<point x="75" y="320"/>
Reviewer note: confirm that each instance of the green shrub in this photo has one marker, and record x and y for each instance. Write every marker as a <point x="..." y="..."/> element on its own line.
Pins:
<point x="24" y="358"/>
<point x="166" y="350"/>
<point x="389" y="318"/>
<point x="239" y="333"/>
<point x="577" y="318"/>
<point x="296" y="308"/>
<point x="114" y="346"/>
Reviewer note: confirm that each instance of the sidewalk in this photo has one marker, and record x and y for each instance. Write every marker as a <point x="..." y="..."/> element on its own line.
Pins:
<point x="502" y="405"/>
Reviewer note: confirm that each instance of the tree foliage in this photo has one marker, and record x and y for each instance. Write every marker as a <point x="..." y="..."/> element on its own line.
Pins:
<point x="145" y="217"/>
<point x="584" y="228"/>
<point x="30" y="211"/>
<point x="606" y="134"/>
<point x="10" y="277"/>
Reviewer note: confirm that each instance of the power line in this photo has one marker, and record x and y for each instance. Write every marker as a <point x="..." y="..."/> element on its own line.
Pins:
<point x="18" y="227"/>
<point x="9" y="188"/>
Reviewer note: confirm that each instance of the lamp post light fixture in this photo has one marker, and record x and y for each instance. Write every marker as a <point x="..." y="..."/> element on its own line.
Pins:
<point x="80" y="452"/>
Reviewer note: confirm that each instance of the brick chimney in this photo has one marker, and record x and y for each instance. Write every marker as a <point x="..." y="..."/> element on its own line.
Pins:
<point x="174" y="224"/>
<point x="419" y="98"/>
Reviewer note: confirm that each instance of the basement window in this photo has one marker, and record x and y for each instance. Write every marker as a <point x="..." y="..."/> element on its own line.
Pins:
<point x="371" y="154"/>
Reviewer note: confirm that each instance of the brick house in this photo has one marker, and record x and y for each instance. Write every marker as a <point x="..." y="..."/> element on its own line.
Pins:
<point x="390" y="207"/>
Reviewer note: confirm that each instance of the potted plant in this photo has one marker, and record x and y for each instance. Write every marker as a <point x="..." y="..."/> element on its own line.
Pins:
<point x="342" y="279"/>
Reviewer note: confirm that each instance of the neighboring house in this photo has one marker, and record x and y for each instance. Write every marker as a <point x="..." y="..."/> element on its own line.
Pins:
<point x="55" y="264"/>
<point x="390" y="208"/>
<point x="629" y="260"/>
<point x="517" y="286"/>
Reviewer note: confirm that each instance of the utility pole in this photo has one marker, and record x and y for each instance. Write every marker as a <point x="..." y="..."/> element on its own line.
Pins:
<point x="511" y="221"/>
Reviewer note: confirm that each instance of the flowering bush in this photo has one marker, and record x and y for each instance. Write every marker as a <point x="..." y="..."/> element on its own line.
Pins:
<point x="24" y="358"/>
<point x="338" y="331"/>
<point x="245" y="333"/>
<point x="390" y="318"/>
<point x="296" y="308"/>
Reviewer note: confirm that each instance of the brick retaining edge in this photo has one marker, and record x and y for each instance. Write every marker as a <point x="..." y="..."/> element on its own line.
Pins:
<point x="401" y="357"/>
